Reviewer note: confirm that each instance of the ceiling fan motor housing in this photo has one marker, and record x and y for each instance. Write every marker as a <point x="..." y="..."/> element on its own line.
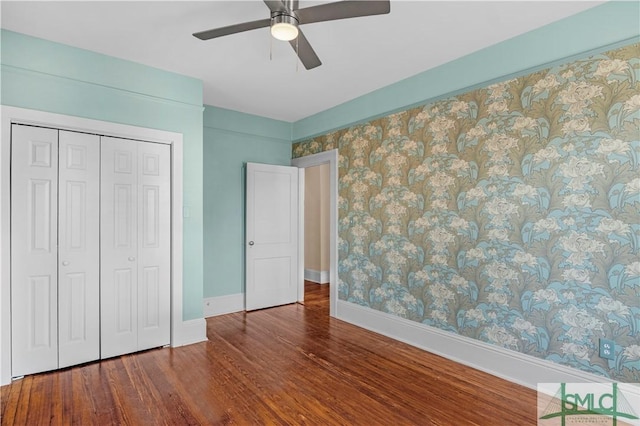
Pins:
<point x="284" y="25"/>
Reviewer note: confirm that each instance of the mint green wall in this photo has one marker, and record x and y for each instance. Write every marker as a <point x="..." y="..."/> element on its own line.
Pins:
<point x="42" y="75"/>
<point x="232" y="139"/>
<point x="598" y="28"/>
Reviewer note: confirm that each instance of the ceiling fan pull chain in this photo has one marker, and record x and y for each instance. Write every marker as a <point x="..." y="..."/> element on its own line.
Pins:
<point x="270" y="48"/>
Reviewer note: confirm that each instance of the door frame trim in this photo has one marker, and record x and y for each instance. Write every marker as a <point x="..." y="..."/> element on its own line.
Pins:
<point x="14" y="115"/>
<point x="331" y="158"/>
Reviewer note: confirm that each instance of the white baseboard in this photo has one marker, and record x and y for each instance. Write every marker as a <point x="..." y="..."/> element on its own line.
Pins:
<point x="514" y="366"/>
<point x="193" y="331"/>
<point x="221" y="305"/>
<point x="320" y="277"/>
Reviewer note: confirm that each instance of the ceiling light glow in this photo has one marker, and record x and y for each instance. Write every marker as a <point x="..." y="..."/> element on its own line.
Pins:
<point x="284" y="27"/>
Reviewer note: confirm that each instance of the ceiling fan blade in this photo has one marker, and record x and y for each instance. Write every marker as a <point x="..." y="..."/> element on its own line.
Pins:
<point x="305" y="52"/>
<point x="232" y="29"/>
<point x="342" y="9"/>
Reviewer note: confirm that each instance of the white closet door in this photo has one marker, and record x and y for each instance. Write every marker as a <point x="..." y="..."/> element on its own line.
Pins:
<point x="119" y="248"/>
<point x="154" y="245"/>
<point x="135" y="246"/>
<point x="34" y="182"/>
<point x="78" y="248"/>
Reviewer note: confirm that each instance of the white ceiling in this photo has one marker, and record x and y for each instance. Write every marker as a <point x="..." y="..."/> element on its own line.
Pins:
<point x="359" y="55"/>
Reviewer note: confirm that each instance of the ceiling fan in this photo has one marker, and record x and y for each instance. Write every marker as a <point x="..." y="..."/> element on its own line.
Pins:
<point x="286" y="19"/>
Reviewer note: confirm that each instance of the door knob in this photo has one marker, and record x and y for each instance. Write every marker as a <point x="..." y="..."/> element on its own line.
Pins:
<point x="251" y="243"/>
<point x="65" y="263"/>
<point x="131" y="259"/>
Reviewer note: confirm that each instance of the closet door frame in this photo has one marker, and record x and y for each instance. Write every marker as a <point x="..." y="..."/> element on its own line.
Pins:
<point x="14" y="115"/>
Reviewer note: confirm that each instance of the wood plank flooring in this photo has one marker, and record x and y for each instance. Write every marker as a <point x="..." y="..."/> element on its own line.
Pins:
<point x="290" y="365"/>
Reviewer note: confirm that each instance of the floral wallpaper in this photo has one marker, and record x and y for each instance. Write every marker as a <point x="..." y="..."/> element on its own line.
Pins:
<point x="509" y="214"/>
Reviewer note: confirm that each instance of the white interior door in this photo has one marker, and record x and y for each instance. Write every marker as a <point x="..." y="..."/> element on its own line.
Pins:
<point x="78" y="248"/>
<point x="119" y="247"/>
<point x="154" y="245"/>
<point x="271" y="235"/>
<point x="34" y="256"/>
<point x="135" y="245"/>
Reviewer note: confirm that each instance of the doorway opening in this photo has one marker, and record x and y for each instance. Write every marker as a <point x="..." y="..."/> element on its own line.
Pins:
<point x="330" y="159"/>
<point x="316" y="224"/>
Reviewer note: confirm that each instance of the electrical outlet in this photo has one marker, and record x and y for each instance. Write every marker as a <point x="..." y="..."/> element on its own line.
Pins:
<point x="607" y="349"/>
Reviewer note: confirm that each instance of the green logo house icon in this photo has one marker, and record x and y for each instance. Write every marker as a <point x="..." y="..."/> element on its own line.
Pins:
<point x="583" y="402"/>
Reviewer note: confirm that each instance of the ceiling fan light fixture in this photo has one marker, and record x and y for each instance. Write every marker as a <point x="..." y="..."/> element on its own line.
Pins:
<point x="284" y="27"/>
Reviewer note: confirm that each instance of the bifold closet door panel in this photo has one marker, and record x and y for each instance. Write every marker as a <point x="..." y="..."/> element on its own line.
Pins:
<point x="154" y="247"/>
<point x="78" y="248"/>
<point x="119" y="247"/>
<point x="135" y="246"/>
<point x="34" y="257"/>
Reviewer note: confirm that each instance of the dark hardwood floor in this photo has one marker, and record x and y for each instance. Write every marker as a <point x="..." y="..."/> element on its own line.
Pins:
<point x="290" y="365"/>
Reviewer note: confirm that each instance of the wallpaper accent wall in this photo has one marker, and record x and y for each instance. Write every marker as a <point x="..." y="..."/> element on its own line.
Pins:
<point x="509" y="214"/>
